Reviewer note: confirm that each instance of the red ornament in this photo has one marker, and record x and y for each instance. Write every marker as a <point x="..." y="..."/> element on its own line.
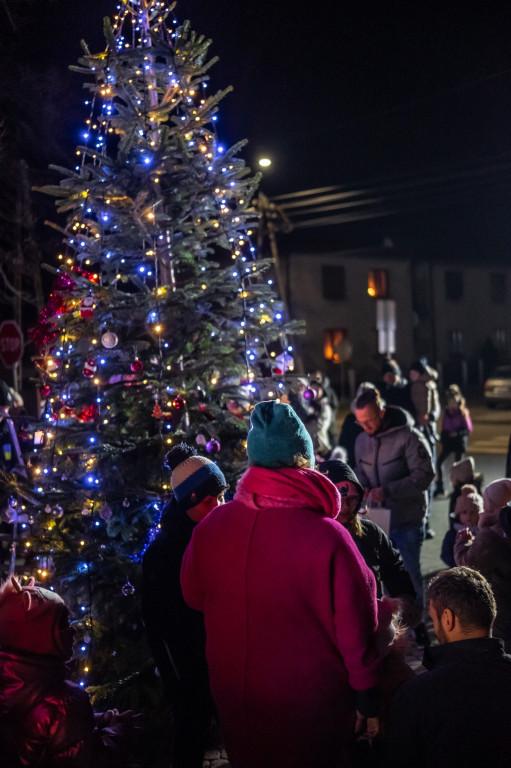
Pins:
<point x="178" y="403"/>
<point x="90" y="368"/>
<point x="45" y="391"/>
<point x="89" y="413"/>
<point x="87" y="308"/>
<point x="137" y="365"/>
<point x="157" y="412"/>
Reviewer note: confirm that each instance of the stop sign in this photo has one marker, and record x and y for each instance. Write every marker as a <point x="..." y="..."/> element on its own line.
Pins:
<point x="11" y="343"/>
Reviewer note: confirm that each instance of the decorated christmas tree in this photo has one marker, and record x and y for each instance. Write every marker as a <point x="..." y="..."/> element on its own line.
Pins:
<point x="162" y="326"/>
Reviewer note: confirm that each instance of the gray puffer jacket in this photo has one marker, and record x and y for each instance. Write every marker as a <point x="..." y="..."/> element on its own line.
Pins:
<point x="397" y="459"/>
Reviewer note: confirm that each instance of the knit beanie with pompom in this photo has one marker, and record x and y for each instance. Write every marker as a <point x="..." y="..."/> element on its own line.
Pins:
<point x="193" y="474"/>
<point x="497" y="494"/>
<point x="468" y="501"/>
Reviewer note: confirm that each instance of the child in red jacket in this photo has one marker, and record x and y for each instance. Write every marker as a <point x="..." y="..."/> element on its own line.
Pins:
<point x="46" y="720"/>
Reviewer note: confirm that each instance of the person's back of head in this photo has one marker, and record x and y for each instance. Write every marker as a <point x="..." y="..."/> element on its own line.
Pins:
<point x="278" y="438"/>
<point x="390" y="373"/>
<point x="468" y="595"/>
<point x="463" y="471"/>
<point x="193" y="477"/>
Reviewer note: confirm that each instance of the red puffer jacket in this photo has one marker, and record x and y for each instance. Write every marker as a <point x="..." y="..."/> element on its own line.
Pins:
<point x="45" y="720"/>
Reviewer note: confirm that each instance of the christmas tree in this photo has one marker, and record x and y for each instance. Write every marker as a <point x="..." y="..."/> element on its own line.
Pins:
<point x="162" y="326"/>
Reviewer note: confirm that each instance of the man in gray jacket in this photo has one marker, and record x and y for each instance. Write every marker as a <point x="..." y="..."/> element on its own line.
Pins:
<point x="394" y="465"/>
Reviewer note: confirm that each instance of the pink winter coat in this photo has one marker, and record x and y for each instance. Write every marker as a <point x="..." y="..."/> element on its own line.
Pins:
<point x="291" y="617"/>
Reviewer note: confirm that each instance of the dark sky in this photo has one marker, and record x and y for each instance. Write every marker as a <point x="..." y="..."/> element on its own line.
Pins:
<point x="350" y="94"/>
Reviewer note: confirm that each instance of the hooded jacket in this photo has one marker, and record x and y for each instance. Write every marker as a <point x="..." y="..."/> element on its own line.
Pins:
<point x="45" y="720"/>
<point x="291" y="618"/>
<point x="397" y="459"/>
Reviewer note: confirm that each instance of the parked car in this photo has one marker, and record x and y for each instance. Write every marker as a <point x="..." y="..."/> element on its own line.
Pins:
<point x="497" y="389"/>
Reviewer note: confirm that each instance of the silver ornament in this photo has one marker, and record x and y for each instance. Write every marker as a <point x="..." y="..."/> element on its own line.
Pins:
<point x="109" y="340"/>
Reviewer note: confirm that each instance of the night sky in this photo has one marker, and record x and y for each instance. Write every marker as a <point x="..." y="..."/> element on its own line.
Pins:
<point x="364" y="95"/>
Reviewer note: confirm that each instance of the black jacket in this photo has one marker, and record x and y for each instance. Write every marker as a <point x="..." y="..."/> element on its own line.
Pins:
<point x="385" y="562"/>
<point x="175" y="632"/>
<point x="456" y="714"/>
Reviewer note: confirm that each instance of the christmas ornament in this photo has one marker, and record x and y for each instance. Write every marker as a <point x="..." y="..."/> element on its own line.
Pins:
<point x="284" y="363"/>
<point x="90" y="368"/>
<point x="200" y="439"/>
<point x="87" y="308"/>
<point x="57" y="511"/>
<point x="105" y="512"/>
<point x="85" y="511"/>
<point x="309" y="394"/>
<point x="213" y="446"/>
<point x="178" y="403"/>
<point x="157" y="411"/>
<point x="125" y="503"/>
<point x="88" y="414"/>
<point x="137" y="365"/>
<point x="109" y="340"/>
<point x="45" y="391"/>
<point x="128" y="589"/>
<point x="24" y="437"/>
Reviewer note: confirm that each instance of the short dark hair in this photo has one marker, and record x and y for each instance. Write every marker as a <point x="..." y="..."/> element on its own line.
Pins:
<point x="466" y="593"/>
<point x="369" y="397"/>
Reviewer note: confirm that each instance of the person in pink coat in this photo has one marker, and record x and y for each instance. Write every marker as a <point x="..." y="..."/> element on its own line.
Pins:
<point x="289" y="605"/>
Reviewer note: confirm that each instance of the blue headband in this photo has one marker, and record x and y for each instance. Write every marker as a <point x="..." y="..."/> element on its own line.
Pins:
<point x="192" y="483"/>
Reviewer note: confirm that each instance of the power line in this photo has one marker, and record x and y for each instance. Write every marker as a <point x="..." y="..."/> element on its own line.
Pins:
<point x="392" y="196"/>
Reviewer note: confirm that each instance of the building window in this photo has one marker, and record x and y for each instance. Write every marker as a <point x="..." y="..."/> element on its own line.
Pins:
<point x="498" y="287"/>
<point x="378" y="283"/>
<point x="453" y="285"/>
<point x="334" y="283"/>
<point x="500" y="338"/>
<point x="456" y="342"/>
<point x="335" y="345"/>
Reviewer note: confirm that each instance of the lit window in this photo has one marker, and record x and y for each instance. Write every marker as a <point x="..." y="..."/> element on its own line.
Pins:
<point x="378" y="283"/>
<point x="333" y="344"/>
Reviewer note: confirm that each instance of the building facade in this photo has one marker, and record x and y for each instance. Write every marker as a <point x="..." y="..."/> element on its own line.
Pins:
<point x="363" y="305"/>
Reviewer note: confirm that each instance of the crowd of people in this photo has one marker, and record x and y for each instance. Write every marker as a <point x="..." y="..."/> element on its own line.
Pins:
<point x="285" y="613"/>
<point x="309" y="607"/>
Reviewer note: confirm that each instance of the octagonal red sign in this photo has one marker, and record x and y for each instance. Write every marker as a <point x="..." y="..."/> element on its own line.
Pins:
<point x="11" y="343"/>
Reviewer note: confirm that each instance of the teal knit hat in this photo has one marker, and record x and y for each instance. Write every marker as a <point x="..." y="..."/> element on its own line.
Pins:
<point x="276" y="435"/>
